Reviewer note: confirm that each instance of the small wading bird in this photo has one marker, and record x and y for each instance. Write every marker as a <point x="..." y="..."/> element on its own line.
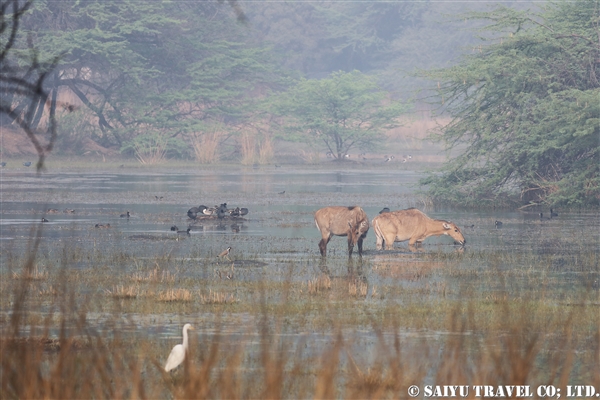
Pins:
<point x="388" y="159"/>
<point x="178" y="353"/>
<point x="225" y="253"/>
<point x="126" y="215"/>
<point x="498" y="224"/>
<point x="174" y="228"/>
<point x="44" y="220"/>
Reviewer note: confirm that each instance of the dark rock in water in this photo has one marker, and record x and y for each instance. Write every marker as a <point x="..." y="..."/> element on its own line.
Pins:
<point x="385" y="210"/>
<point x="174" y="228"/>
<point x="243" y="211"/>
<point x="192" y="212"/>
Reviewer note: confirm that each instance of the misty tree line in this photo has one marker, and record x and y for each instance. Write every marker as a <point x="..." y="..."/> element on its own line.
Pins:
<point x="164" y="74"/>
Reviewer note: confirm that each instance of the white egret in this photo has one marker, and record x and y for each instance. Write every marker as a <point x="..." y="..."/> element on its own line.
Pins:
<point x="178" y="353"/>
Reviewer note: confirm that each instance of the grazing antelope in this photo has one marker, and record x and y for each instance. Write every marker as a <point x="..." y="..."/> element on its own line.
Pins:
<point x="412" y="225"/>
<point x="342" y="221"/>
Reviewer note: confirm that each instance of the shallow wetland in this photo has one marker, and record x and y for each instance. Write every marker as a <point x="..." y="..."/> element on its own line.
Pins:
<point x="526" y="295"/>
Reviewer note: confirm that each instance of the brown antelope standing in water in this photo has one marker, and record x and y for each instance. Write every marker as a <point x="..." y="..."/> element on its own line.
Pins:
<point x="342" y="221"/>
<point x="411" y="225"/>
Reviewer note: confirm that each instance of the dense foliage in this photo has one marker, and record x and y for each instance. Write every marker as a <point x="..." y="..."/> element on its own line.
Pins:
<point x="148" y="68"/>
<point x="343" y="112"/>
<point x="526" y="107"/>
<point x="23" y="75"/>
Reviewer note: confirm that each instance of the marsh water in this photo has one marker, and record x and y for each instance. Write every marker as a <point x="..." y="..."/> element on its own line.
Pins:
<point x="278" y="239"/>
<point x="281" y="204"/>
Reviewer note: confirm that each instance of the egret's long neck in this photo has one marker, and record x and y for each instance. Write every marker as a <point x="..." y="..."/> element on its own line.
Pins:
<point x="185" y="339"/>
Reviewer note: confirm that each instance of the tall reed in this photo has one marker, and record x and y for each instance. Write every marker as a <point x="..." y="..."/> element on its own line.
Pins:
<point x="206" y="145"/>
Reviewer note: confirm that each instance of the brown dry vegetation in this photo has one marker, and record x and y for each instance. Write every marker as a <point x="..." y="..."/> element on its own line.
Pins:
<point x="52" y="348"/>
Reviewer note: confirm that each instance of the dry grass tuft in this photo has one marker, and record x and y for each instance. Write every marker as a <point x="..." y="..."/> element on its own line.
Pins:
<point x="248" y="147"/>
<point x="206" y="145"/>
<point x="124" y="292"/>
<point x="152" y="152"/>
<point x="358" y="288"/>
<point x="218" y="298"/>
<point x="319" y="284"/>
<point x="175" y="295"/>
<point x="48" y="291"/>
<point x="34" y="274"/>
<point x="156" y="276"/>
<point x="266" y="152"/>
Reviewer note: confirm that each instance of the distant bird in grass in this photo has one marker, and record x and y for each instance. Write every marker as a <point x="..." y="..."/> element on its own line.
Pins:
<point x="389" y="158"/>
<point x="385" y="210"/>
<point x="225" y="253"/>
<point x="553" y="214"/>
<point x="179" y="351"/>
<point x="45" y="220"/>
<point x="27" y="164"/>
<point x="126" y="215"/>
<point x="498" y="224"/>
<point x="174" y="228"/>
